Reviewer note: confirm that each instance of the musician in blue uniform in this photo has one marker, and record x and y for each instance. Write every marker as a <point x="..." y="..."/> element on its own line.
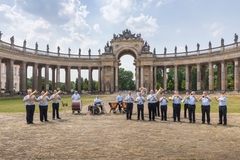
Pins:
<point x="130" y="99"/>
<point x="222" y="100"/>
<point x="205" y="104"/>
<point x="30" y="106"/>
<point x="140" y="105"/>
<point x="163" y="104"/>
<point x="55" y="104"/>
<point x="192" y="99"/>
<point x="176" y="106"/>
<point x="43" y="106"/>
<point x="76" y="97"/>
<point x="185" y="98"/>
<point x="119" y="100"/>
<point x="151" y="105"/>
<point x="97" y="100"/>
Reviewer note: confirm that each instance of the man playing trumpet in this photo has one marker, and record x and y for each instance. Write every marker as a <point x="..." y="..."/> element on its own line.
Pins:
<point x="30" y="100"/>
<point x="43" y="105"/>
<point x="205" y="101"/>
<point x="55" y="104"/>
<point x="192" y="99"/>
<point x="130" y="99"/>
<point x="140" y="106"/>
<point x="222" y="100"/>
<point x="151" y="105"/>
<point x="176" y="106"/>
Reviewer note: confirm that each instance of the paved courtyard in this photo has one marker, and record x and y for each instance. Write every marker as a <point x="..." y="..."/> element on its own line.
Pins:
<point x="111" y="136"/>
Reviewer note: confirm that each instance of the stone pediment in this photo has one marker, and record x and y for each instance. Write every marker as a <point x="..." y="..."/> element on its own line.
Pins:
<point x="126" y="34"/>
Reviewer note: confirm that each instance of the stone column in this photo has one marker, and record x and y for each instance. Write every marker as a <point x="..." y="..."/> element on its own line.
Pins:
<point x="58" y="77"/>
<point x="151" y="78"/>
<point x="219" y="77"/>
<point x="39" y="78"/>
<point x="112" y="79"/>
<point x="102" y="80"/>
<point x="187" y="78"/>
<point x="190" y="78"/>
<point x="53" y="79"/>
<point x="68" y="79"/>
<point x="223" y="76"/>
<point x="46" y="77"/>
<point x="175" y="77"/>
<point x="9" y="78"/>
<point x="79" y="80"/>
<point x="155" y="78"/>
<point x="211" y="78"/>
<point x="116" y="78"/>
<point x="198" y="77"/>
<point x="89" y="78"/>
<point x="203" y="77"/>
<point x="99" y="79"/>
<point x="165" y="77"/>
<point x="142" y="81"/>
<point x="35" y="78"/>
<point x="137" y="78"/>
<point x="23" y="77"/>
<point x="236" y="75"/>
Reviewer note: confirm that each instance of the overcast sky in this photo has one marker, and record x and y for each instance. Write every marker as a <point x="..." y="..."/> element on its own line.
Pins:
<point x="91" y="23"/>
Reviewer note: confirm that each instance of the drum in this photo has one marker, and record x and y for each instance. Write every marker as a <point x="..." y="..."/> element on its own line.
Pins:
<point x="76" y="105"/>
<point x="124" y="105"/>
<point x="95" y="110"/>
<point x="113" y="104"/>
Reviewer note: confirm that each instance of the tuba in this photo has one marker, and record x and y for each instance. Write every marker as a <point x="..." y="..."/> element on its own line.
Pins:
<point x="160" y="90"/>
<point x="144" y="91"/>
<point x="55" y="96"/>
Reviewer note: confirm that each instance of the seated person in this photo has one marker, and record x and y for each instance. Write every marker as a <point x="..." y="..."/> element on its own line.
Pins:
<point x="119" y="100"/>
<point x="97" y="100"/>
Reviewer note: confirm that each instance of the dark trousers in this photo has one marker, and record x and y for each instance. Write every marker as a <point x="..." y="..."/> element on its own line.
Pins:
<point x="157" y="111"/>
<point x="205" y="110"/>
<point x="151" y="111"/>
<point x="140" y="108"/>
<point x="129" y="110"/>
<point x="164" y="112"/>
<point x="176" y="111"/>
<point x="223" y="114"/>
<point x="55" y="108"/>
<point x="99" y="105"/>
<point x="29" y="113"/>
<point x="43" y="112"/>
<point x="191" y="113"/>
<point x="185" y="110"/>
<point x="120" y="106"/>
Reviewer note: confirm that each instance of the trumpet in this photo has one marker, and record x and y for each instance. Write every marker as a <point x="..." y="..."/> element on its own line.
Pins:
<point x="55" y="96"/>
<point x="160" y="90"/>
<point x="45" y="94"/>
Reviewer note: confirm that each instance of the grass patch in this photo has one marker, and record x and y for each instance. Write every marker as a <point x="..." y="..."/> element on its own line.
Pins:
<point x="16" y="105"/>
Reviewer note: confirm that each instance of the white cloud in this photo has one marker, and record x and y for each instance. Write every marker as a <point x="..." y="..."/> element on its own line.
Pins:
<point x="146" y="25"/>
<point x="217" y="32"/>
<point x="215" y="29"/>
<point x="116" y="11"/>
<point x="161" y="2"/>
<point x="146" y="3"/>
<point x="97" y="29"/>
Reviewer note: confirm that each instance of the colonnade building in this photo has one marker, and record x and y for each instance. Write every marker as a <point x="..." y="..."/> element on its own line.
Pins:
<point x="107" y="64"/>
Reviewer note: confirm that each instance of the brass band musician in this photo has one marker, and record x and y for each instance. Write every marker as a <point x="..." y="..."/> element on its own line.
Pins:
<point x="151" y="105"/>
<point x="176" y="106"/>
<point x="30" y="100"/>
<point x="130" y="99"/>
<point x="119" y="100"/>
<point x="43" y="106"/>
<point x="222" y="100"/>
<point x="140" y="105"/>
<point x="76" y="97"/>
<point x="55" y="104"/>
<point x="97" y="101"/>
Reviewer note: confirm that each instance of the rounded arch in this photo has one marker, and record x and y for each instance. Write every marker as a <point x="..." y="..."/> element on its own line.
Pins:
<point x="128" y="51"/>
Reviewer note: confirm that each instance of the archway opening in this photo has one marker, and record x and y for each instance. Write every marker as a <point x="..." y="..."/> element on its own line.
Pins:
<point x="126" y="73"/>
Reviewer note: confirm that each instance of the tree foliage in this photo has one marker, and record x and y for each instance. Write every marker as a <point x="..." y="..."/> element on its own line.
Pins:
<point x="126" y="80"/>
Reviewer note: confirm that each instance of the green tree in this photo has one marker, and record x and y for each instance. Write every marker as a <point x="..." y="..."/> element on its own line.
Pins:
<point x="126" y="80"/>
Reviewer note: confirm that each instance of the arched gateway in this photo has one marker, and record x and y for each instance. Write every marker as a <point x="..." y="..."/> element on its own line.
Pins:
<point x="107" y="64"/>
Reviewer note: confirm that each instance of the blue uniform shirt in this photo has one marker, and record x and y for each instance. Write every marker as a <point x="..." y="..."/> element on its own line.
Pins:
<point x="55" y="100"/>
<point x="119" y="98"/>
<point x="151" y="98"/>
<point x="140" y="100"/>
<point x="191" y="100"/>
<point x="186" y="100"/>
<point x="163" y="101"/>
<point x="97" y="100"/>
<point x="75" y="97"/>
<point x="31" y="101"/>
<point x="222" y="101"/>
<point x="44" y="101"/>
<point x="205" y="101"/>
<point x="176" y="100"/>
<point x="129" y="98"/>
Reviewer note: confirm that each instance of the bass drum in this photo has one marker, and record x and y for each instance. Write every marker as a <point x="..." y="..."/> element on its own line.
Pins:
<point x="76" y="105"/>
<point x="96" y="110"/>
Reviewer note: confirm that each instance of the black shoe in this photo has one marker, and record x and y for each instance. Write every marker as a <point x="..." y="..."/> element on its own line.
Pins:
<point x="179" y="121"/>
<point x="126" y="118"/>
<point x="31" y="123"/>
<point x="219" y="123"/>
<point x="149" y="119"/>
<point x="161" y="119"/>
<point x="53" y="118"/>
<point x="193" y="121"/>
<point x="46" y="120"/>
<point x="138" y="119"/>
<point x="41" y="120"/>
<point x="153" y="119"/>
<point x="209" y="123"/>
<point x="174" y="121"/>
<point x="203" y="122"/>
<point x="143" y="119"/>
<point x="225" y="124"/>
<point x="190" y="121"/>
<point x="58" y="118"/>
